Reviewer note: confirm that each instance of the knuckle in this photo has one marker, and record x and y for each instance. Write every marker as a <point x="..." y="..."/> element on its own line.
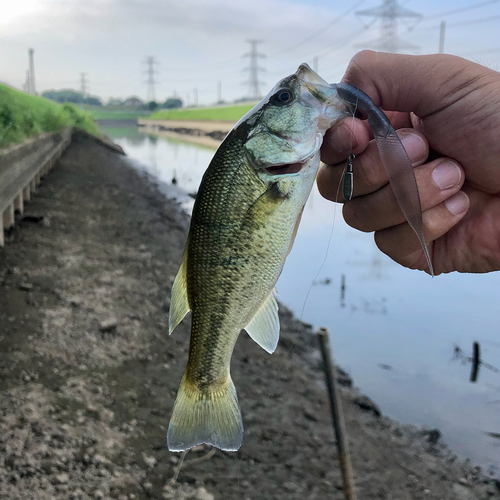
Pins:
<point x="371" y="173"/>
<point x="355" y="217"/>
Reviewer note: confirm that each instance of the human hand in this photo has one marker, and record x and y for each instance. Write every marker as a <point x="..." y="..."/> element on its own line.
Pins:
<point x="451" y="106"/>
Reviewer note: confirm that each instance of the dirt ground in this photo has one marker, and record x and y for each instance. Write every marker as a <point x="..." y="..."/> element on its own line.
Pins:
<point x="88" y="373"/>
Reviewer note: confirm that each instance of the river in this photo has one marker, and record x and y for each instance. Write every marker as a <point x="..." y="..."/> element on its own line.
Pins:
<point x="405" y="338"/>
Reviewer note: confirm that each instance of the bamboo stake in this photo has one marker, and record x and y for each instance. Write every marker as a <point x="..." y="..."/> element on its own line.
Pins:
<point x="337" y="415"/>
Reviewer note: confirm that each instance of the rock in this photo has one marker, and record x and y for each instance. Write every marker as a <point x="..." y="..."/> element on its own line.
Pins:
<point x="149" y="461"/>
<point x="433" y="435"/>
<point x="108" y="325"/>
<point x="62" y="478"/>
<point x="25" y="286"/>
<point x="463" y="493"/>
<point x="365" y="403"/>
<point x="343" y="378"/>
<point x="203" y="494"/>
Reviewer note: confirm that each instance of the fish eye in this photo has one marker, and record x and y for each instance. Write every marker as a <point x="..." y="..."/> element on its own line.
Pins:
<point x="283" y="96"/>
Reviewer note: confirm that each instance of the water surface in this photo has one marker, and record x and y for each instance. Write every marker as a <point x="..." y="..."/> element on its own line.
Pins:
<point x="394" y="330"/>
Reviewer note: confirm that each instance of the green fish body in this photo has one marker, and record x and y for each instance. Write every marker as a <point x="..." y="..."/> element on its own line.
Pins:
<point x="244" y="221"/>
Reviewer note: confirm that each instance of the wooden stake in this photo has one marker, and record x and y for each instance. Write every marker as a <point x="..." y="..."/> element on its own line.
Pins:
<point x="337" y="414"/>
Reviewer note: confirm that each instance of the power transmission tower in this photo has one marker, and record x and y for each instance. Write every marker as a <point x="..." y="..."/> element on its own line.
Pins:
<point x="151" y="81"/>
<point x="389" y="12"/>
<point x="83" y="84"/>
<point x="31" y="84"/>
<point x="254" y="68"/>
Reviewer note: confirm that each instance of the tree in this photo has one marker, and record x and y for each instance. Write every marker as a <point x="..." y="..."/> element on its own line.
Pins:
<point x="69" y="95"/>
<point x="152" y="105"/>
<point x="172" y="103"/>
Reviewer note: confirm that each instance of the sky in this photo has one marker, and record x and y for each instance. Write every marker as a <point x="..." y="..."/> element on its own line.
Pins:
<point x="198" y="43"/>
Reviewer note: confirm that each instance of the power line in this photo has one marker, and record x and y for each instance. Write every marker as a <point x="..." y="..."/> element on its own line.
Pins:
<point x="320" y="31"/>
<point x="83" y="84"/>
<point x="465" y="23"/>
<point x="389" y="12"/>
<point x="463" y="9"/>
<point x="31" y="80"/>
<point x="254" y="68"/>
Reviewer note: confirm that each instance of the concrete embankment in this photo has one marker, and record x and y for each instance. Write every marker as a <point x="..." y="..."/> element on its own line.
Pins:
<point x="22" y="167"/>
<point x="209" y="133"/>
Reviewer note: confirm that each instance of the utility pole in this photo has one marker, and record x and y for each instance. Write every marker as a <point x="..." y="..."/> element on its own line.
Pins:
<point x="31" y="86"/>
<point x="83" y="84"/>
<point x="254" y="68"/>
<point x="26" y="86"/>
<point x="389" y="12"/>
<point x="441" y="36"/>
<point x="151" y="62"/>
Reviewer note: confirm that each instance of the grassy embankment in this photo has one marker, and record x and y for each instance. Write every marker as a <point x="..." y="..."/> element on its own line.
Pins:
<point x="226" y="113"/>
<point x="115" y="113"/>
<point x="23" y="115"/>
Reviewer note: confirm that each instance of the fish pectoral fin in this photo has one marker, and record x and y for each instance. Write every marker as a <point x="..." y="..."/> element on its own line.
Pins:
<point x="264" y="327"/>
<point x="265" y="205"/>
<point x="179" y="303"/>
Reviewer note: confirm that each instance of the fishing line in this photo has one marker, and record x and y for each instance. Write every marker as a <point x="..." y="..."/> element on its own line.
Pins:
<point x="348" y="147"/>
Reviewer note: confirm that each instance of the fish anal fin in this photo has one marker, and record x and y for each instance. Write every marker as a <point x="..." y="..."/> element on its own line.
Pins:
<point x="204" y="417"/>
<point x="179" y="302"/>
<point x="264" y="327"/>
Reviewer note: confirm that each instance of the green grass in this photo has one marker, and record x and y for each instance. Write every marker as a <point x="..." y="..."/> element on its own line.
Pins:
<point x="23" y="115"/>
<point x="227" y="113"/>
<point x="99" y="113"/>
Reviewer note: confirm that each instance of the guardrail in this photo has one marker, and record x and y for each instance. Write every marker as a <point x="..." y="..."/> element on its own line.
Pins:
<point x="21" y="168"/>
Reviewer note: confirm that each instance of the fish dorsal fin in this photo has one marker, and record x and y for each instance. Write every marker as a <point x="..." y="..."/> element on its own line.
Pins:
<point x="264" y="327"/>
<point x="179" y="303"/>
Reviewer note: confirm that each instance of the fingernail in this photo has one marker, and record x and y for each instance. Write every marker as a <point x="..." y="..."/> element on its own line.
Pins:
<point x="458" y="203"/>
<point x="414" y="145"/>
<point x="446" y="175"/>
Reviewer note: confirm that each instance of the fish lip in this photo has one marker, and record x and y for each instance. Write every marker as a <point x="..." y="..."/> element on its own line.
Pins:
<point x="307" y="75"/>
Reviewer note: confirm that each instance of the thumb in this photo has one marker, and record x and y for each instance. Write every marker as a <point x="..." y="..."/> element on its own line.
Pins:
<point x="421" y="84"/>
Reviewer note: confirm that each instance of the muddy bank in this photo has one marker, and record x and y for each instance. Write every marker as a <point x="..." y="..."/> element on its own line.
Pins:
<point x="88" y="374"/>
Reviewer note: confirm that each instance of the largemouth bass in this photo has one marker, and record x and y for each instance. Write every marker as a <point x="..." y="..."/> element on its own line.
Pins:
<point x="243" y="225"/>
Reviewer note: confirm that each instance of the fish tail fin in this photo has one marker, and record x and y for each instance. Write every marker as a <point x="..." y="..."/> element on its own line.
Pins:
<point x="210" y="417"/>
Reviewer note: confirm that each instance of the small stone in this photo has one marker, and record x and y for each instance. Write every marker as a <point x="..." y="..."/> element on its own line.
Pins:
<point x="289" y="486"/>
<point x="149" y="461"/>
<point x="203" y="494"/>
<point x="365" y="403"/>
<point x="108" y="325"/>
<point x="148" y="486"/>
<point x="98" y="494"/>
<point x="25" y="286"/>
<point x="62" y="478"/>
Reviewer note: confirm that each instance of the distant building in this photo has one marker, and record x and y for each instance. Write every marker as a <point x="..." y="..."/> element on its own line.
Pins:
<point x="133" y="101"/>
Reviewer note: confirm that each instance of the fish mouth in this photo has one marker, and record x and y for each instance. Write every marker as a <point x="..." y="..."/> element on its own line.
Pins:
<point x="286" y="168"/>
<point x="305" y="74"/>
<point x="295" y="167"/>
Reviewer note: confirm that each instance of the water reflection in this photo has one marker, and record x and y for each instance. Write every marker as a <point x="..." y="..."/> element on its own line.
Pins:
<point x="392" y="328"/>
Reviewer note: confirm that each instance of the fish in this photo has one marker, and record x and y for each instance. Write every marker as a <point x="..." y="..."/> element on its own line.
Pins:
<point x="243" y="226"/>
